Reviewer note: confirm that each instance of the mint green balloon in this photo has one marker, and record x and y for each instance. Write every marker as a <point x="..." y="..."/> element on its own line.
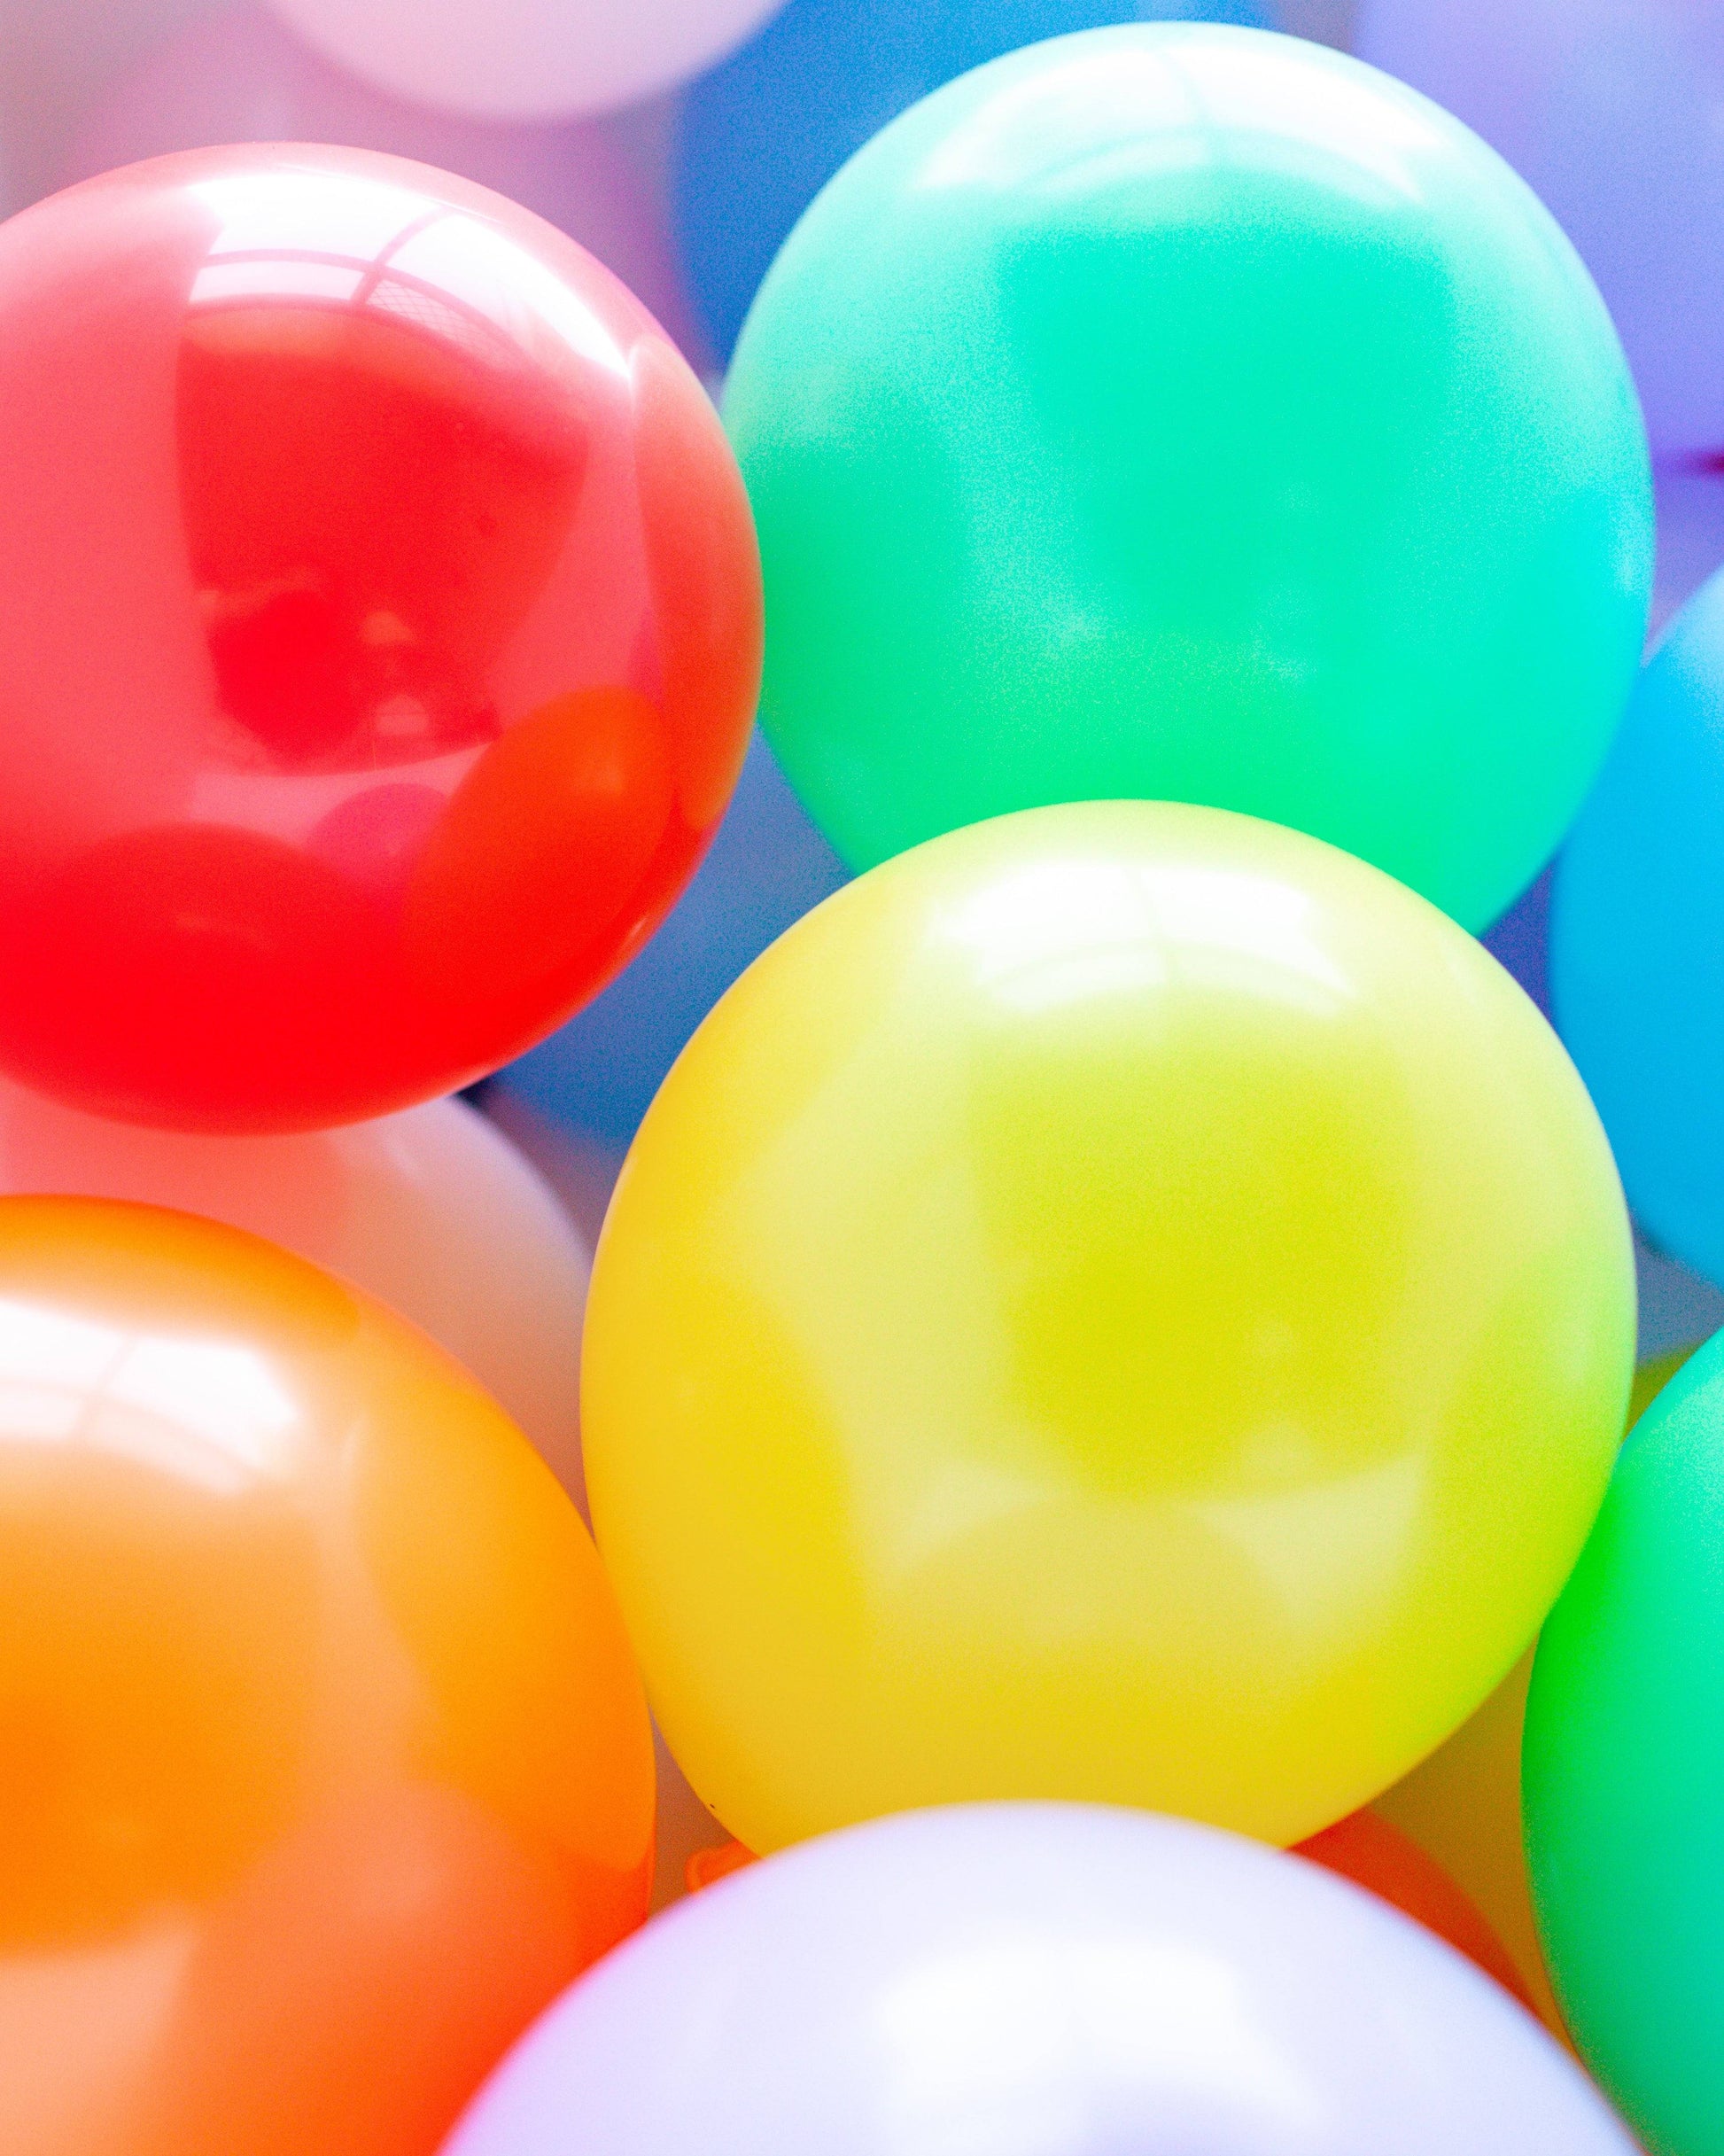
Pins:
<point x="1194" y="412"/>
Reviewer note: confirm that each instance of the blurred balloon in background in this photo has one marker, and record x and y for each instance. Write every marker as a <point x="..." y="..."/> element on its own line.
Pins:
<point x="1462" y="1807"/>
<point x="597" y="1075"/>
<point x="327" y="1764"/>
<point x="1365" y="1848"/>
<point x="240" y="77"/>
<point x="525" y="59"/>
<point x="1049" y="1979"/>
<point x="759" y="137"/>
<point x="379" y="635"/>
<point x="1122" y="1301"/>
<point x="1624" y="1773"/>
<point x="1637" y="941"/>
<point x="1194" y="519"/>
<point x="1610" y="110"/>
<point x="433" y="1211"/>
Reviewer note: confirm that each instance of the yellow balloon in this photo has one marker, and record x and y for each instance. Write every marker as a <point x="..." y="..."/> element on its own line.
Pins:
<point x="1124" y="1301"/>
<point x="1461" y="1805"/>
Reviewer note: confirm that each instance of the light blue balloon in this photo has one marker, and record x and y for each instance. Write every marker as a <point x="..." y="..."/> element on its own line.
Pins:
<point x="1637" y="941"/>
<point x="759" y="136"/>
<point x="767" y="866"/>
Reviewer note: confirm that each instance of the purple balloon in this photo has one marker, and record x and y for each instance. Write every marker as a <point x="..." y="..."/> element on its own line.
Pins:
<point x="239" y="76"/>
<point x="1036" y="1980"/>
<point x="1610" y="109"/>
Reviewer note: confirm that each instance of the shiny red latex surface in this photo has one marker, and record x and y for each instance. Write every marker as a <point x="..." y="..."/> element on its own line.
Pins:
<point x="379" y="634"/>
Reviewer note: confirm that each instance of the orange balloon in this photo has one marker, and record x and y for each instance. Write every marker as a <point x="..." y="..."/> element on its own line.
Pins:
<point x="706" y="1867"/>
<point x="323" y="1764"/>
<point x="1374" y="1854"/>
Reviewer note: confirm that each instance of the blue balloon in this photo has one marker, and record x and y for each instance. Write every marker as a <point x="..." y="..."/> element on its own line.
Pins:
<point x="767" y="866"/>
<point x="1637" y="941"/>
<point x="759" y="136"/>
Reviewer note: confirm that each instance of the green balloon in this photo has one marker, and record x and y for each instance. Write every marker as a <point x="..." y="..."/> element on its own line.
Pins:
<point x="1623" y="1770"/>
<point x="1194" y="413"/>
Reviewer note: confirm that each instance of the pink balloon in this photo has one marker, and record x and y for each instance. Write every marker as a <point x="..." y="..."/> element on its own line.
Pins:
<point x="522" y="57"/>
<point x="433" y="1211"/>
<point x="240" y="76"/>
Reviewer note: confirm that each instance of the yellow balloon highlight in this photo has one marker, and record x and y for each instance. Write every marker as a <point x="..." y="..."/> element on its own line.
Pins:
<point x="1122" y="1303"/>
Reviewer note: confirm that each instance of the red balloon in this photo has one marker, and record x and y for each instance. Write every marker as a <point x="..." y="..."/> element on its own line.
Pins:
<point x="379" y="634"/>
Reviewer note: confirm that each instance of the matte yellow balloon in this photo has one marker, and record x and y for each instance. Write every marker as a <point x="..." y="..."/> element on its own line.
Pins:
<point x="1124" y="1301"/>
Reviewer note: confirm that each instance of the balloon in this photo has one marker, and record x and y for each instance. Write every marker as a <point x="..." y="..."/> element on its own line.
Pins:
<point x="239" y="76"/>
<point x="1036" y="1980"/>
<point x="524" y="60"/>
<point x="1182" y="412"/>
<point x="768" y="865"/>
<point x="1124" y="1301"/>
<point x="1388" y="1863"/>
<point x="432" y="1211"/>
<point x="706" y="1867"/>
<point x="1624" y="1775"/>
<point x="1462" y="1807"/>
<point x="1363" y="1847"/>
<point x="323" y="1764"/>
<point x="1637" y="942"/>
<point x="378" y="636"/>
<point x="759" y="137"/>
<point x="1610" y="109"/>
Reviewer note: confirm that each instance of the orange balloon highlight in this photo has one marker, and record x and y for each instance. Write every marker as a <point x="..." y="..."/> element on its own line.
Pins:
<point x="1374" y="1854"/>
<point x="323" y="1762"/>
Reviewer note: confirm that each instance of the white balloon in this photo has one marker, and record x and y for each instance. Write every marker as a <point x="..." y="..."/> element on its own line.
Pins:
<point x="523" y="60"/>
<point x="433" y="1211"/>
<point x="1614" y="112"/>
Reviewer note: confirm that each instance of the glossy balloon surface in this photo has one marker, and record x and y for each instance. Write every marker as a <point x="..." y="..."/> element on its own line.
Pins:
<point x="433" y="1211"/>
<point x="1624" y="1775"/>
<point x="513" y="59"/>
<point x="325" y="1764"/>
<point x="1637" y="941"/>
<point x="1124" y="1301"/>
<point x="240" y="76"/>
<point x="1036" y="1980"/>
<point x="1186" y="413"/>
<point x="759" y="136"/>
<point x="1609" y="108"/>
<point x="378" y="631"/>
<point x="1390" y="1864"/>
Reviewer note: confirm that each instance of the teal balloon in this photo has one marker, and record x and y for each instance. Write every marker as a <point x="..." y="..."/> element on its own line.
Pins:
<point x="1189" y="412"/>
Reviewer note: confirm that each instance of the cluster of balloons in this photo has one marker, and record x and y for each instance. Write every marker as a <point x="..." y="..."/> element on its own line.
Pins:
<point x="382" y="627"/>
<point x="1117" y="1324"/>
